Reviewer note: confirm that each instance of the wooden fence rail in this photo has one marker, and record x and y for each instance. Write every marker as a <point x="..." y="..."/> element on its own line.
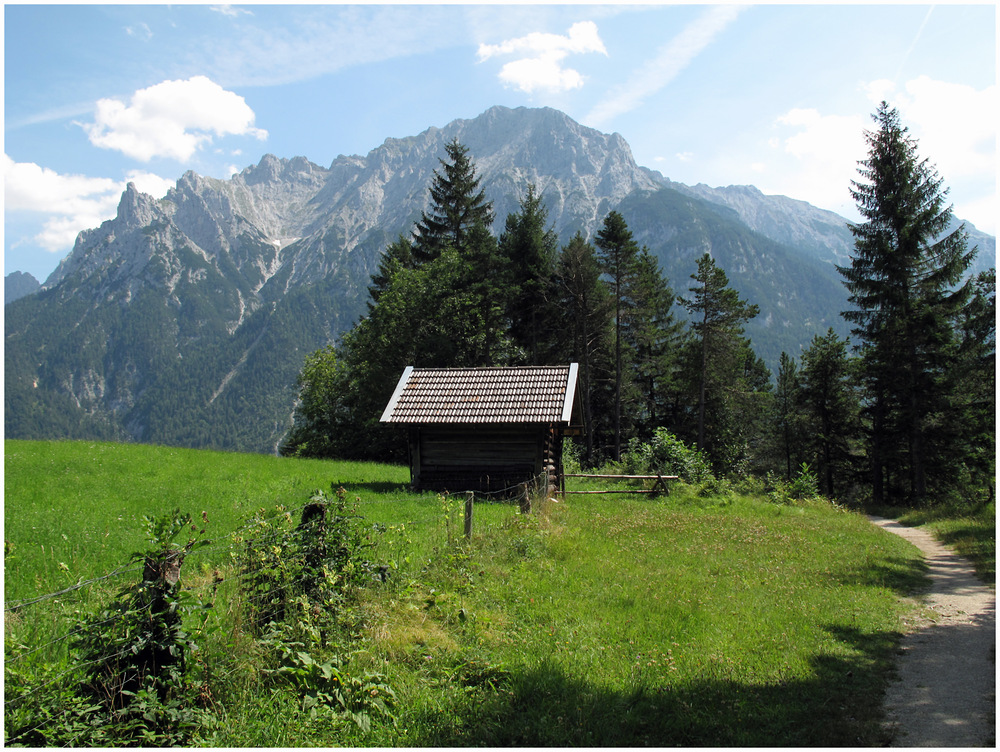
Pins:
<point x="660" y="486"/>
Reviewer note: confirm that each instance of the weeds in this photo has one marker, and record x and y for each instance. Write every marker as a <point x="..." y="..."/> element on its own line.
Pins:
<point x="128" y="682"/>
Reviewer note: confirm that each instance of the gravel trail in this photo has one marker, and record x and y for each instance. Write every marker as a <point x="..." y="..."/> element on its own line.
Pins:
<point x="945" y="694"/>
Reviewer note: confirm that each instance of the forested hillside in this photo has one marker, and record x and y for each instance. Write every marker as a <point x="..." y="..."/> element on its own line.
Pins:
<point x="186" y="319"/>
<point x="905" y="414"/>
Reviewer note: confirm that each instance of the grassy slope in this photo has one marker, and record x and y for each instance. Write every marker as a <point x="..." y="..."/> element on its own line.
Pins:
<point x="605" y="621"/>
<point x="82" y="503"/>
<point x="627" y="623"/>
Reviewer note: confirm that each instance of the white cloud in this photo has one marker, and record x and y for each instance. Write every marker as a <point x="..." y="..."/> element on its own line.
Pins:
<point x="171" y="119"/>
<point x="147" y="182"/>
<point x="231" y="11"/>
<point x="826" y="150"/>
<point x="671" y="59"/>
<point x="955" y="129"/>
<point x="542" y="65"/>
<point x="72" y="202"/>
<point x="955" y="125"/>
<point x="543" y="72"/>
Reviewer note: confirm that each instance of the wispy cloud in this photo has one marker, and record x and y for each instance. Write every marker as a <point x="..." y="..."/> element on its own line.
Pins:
<point x="140" y="31"/>
<point x="669" y="62"/>
<point x="319" y="40"/>
<point x="913" y="44"/>
<point x="542" y="55"/>
<point x="171" y="119"/>
<point x="230" y="10"/>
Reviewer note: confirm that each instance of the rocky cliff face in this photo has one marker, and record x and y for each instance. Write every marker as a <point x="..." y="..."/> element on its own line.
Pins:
<point x="185" y="320"/>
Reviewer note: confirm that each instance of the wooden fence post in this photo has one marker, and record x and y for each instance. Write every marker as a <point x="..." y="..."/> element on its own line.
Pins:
<point x="468" y="514"/>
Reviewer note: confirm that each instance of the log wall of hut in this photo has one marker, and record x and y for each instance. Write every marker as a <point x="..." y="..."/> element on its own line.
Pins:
<point x="483" y="458"/>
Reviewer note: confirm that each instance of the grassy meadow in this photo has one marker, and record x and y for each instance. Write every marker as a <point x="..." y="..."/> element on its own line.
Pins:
<point x="692" y="620"/>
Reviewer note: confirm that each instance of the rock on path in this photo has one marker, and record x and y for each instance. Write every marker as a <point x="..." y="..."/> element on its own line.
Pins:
<point x="945" y="695"/>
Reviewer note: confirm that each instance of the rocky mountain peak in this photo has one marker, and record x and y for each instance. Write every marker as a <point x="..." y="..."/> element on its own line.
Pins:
<point x="135" y="209"/>
<point x="266" y="171"/>
<point x="206" y="300"/>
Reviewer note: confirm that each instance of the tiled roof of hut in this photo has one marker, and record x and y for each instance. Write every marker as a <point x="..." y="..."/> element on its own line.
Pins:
<point x="530" y="394"/>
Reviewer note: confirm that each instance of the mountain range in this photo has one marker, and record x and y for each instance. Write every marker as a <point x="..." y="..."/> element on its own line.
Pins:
<point x="186" y="319"/>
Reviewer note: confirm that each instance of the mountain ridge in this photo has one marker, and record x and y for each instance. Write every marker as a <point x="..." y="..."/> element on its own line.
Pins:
<point x="186" y="319"/>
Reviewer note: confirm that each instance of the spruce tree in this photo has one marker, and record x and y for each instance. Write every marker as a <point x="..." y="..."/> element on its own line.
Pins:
<point x="530" y="249"/>
<point x="654" y="337"/>
<point x="457" y="205"/>
<point x="397" y="257"/>
<point x="830" y="404"/>
<point x="907" y="291"/>
<point x="618" y="255"/>
<point x="966" y="445"/>
<point x="486" y="273"/>
<point x="722" y="358"/>
<point x="585" y="310"/>
<point x="787" y="416"/>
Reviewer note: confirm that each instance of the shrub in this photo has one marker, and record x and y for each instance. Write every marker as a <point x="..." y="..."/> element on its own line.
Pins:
<point x="129" y="684"/>
<point x="665" y="454"/>
<point x="315" y="562"/>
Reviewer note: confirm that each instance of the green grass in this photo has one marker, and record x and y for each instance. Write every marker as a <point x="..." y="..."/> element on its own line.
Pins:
<point x="73" y="510"/>
<point x="607" y="621"/>
<point x="693" y="622"/>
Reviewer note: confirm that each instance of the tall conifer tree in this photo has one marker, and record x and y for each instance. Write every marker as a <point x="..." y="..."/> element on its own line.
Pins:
<point x="586" y="312"/>
<point x="397" y="257"/>
<point x="618" y="255"/>
<point x="457" y="205"/>
<point x="654" y="337"/>
<point x="787" y="416"/>
<point x="907" y="291"/>
<point x="722" y="353"/>
<point x="830" y="405"/>
<point x="530" y="249"/>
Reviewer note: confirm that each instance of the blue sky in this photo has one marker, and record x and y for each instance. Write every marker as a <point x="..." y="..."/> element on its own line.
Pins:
<point x="776" y="96"/>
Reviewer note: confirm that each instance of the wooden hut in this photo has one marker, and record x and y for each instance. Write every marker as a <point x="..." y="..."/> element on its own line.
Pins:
<point x="484" y="429"/>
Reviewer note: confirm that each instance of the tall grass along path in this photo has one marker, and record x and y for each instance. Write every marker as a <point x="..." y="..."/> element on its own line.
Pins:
<point x="945" y="694"/>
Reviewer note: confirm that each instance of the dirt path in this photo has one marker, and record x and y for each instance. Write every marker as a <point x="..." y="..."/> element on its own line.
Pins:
<point x="945" y="695"/>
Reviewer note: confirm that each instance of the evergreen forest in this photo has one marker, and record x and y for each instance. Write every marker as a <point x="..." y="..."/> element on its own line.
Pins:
<point x="901" y="412"/>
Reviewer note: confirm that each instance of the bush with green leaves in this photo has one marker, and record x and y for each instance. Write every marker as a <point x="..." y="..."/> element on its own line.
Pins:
<point x="314" y="563"/>
<point x="297" y="582"/>
<point x="129" y="683"/>
<point x="665" y="454"/>
<point x="326" y="681"/>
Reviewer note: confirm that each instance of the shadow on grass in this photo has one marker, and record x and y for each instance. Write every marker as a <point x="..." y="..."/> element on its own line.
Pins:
<point x="901" y="575"/>
<point x="970" y="542"/>
<point x="374" y="487"/>
<point x="548" y="706"/>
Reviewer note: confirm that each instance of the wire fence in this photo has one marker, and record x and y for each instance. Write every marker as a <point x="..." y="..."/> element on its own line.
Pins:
<point x="41" y="631"/>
